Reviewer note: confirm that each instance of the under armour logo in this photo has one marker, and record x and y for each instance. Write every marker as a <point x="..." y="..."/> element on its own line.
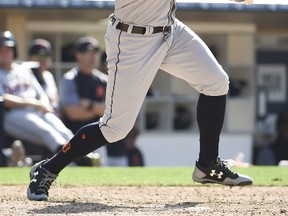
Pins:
<point x="213" y="173"/>
<point x="34" y="177"/>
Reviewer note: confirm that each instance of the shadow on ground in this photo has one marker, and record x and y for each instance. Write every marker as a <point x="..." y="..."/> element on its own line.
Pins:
<point x="74" y="207"/>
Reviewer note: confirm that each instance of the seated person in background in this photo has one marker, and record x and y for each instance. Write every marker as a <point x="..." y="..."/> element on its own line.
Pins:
<point x="135" y="157"/>
<point x="82" y="96"/>
<point x="277" y="150"/>
<point x="29" y="115"/>
<point x="40" y="51"/>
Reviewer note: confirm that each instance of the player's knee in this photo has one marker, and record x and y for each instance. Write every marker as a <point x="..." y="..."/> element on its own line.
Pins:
<point x="219" y="87"/>
<point x="223" y="85"/>
<point x="113" y="134"/>
<point x="121" y="135"/>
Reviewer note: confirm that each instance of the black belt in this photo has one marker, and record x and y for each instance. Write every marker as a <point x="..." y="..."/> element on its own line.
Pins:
<point x="140" y="29"/>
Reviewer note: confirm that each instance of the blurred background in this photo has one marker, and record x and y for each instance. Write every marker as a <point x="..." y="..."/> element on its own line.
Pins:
<point x="249" y="41"/>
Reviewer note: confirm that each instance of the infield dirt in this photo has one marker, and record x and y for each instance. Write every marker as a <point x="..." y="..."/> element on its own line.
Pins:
<point x="150" y="201"/>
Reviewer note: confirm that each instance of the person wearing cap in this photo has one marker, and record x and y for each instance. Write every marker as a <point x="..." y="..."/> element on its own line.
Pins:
<point x="40" y="51"/>
<point x="82" y="96"/>
<point x="28" y="114"/>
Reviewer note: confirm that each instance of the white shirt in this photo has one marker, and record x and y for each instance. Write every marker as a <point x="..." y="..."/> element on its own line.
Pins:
<point x="19" y="81"/>
<point x="146" y="12"/>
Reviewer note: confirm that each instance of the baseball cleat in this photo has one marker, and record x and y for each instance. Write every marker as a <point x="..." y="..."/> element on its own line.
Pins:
<point x="219" y="173"/>
<point x="40" y="182"/>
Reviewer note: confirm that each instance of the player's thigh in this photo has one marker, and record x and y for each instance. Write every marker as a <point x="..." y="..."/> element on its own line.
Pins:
<point x="125" y="92"/>
<point x="133" y="61"/>
<point x="191" y="60"/>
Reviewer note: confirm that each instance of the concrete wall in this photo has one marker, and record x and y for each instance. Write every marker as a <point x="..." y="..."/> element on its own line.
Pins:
<point x="182" y="149"/>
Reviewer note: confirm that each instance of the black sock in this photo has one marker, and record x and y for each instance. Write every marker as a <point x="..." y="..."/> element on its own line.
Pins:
<point x="86" y="140"/>
<point x="210" y="117"/>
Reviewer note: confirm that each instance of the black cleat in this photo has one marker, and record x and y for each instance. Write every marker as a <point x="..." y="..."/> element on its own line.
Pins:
<point x="219" y="173"/>
<point x="40" y="182"/>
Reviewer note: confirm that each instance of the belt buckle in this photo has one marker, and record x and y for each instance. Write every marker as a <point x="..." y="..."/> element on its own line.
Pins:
<point x="165" y="29"/>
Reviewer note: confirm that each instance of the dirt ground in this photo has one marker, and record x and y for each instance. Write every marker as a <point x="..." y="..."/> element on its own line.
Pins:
<point x="197" y="200"/>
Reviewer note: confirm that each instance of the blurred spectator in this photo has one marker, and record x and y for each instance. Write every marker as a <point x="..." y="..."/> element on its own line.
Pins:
<point x="40" y="51"/>
<point x="28" y="112"/>
<point x="135" y="157"/>
<point x="82" y="96"/>
<point x="278" y="150"/>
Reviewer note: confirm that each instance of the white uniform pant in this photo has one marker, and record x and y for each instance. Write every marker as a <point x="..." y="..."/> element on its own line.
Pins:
<point x="38" y="128"/>
<point x="133" y="61"/>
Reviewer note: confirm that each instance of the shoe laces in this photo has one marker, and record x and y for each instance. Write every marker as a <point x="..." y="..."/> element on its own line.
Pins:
<point x="226" y="164"/>
<point x="46" y="181"/>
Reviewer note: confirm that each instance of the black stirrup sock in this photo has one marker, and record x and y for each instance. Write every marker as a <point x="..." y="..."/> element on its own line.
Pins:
<point x="210" y="118"/>
<point x="86" y="140"/>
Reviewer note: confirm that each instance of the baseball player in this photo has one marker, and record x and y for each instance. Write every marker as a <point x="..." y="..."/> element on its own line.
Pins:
<point x="143" y="36"/>
<point x="40" y="51"/>
<point x="28" y="112"/>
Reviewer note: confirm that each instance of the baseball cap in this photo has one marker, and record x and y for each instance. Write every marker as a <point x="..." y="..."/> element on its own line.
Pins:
<point x="40" y="47"/>
<point x="7" y="39"/>
<point x="85" y="44"/>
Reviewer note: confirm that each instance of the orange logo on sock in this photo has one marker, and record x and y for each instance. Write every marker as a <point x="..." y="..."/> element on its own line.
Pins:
<point x="83" y="136"/>
<point x="66" y="147"/>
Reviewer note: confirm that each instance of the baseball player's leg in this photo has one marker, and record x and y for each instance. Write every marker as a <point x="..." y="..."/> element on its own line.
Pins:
<point x="42" y="174"/>
<point x="30" y="126"/>
<point x="131" y="71"/>
<point x="133" y="61"/>
<point x="191" y="60"/>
